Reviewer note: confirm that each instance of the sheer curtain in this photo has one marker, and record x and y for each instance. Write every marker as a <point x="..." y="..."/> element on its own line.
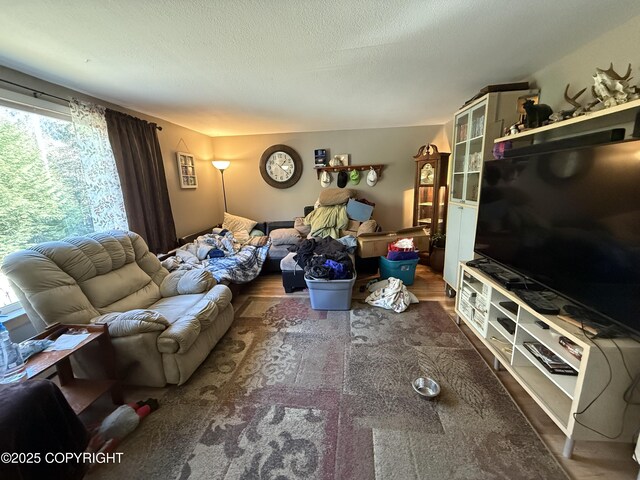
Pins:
<point x="144" y="186"/>
<point x="102" y="185"/>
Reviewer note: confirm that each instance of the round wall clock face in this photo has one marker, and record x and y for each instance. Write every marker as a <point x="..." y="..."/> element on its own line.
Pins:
<point x="280" y="166"/>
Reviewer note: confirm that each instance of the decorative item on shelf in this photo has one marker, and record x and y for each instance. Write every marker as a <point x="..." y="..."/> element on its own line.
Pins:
<point x="344" y="159"/>
<point x="320" y="156"/>
<point x="187" y="170"/>
<point x="340" y="160"/>
<point x="611" y="89"/>
<point x="222" y="165"/>
<point x="577" y="109"/>
<point x="537" y="115"/>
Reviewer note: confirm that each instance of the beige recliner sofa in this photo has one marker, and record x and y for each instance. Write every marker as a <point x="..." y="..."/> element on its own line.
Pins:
<point x="163" y="325"/>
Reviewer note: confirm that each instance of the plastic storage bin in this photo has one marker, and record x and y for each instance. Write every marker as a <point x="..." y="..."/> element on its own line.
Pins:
<point x="405" y="270"/>
<point x="330" y="294"/>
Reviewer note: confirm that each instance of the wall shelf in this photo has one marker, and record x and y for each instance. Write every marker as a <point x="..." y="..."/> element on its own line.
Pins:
<point x="571" y="121"/>
<point x="349" y="168"/>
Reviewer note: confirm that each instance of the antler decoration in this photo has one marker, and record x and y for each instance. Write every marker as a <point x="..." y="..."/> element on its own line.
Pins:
<point x="611" y="73"/>
<point x="573" y="100"/>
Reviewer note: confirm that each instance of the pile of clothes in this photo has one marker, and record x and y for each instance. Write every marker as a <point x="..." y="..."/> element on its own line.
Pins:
<point x="403" y="249"/>
<point x="324" y="258"/>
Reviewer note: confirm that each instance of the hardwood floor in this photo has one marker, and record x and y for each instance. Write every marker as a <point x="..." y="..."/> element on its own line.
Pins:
<point x="591" y="460"/>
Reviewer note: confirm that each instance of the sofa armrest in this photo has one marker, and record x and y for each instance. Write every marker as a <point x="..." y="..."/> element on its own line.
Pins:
<point x="132" y="322"/>
<point x="183" y="282"/>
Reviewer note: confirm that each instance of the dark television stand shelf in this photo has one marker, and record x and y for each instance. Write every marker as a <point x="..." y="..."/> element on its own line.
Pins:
<point x="562" y="397"/>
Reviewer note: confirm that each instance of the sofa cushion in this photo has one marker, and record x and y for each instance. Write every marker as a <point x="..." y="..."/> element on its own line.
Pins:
<point x="278" y="252"/>
<point x="111" y="287"/>
<point x="285" y="236"/>
<point x="189" y="316"/>
<point x="173" y="307"/>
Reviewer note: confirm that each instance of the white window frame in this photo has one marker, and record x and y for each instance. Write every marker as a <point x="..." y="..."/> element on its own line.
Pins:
<point x="39" y="106"/>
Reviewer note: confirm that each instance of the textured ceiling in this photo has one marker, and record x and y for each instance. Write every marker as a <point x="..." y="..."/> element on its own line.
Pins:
<point x="230" y="67"/>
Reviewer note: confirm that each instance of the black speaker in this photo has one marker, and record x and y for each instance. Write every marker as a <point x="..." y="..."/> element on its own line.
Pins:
<point x="636" y="127"/>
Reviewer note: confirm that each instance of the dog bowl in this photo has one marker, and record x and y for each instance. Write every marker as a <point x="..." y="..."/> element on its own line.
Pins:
<point x="427" y="387"/>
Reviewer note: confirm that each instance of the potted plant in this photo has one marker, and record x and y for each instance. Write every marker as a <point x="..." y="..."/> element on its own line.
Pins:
<point x="436" y="251"/>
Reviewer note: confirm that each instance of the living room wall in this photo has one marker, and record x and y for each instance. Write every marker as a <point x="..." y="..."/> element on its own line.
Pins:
<point x="182" y="200"/>
<point x="249" y="196"/>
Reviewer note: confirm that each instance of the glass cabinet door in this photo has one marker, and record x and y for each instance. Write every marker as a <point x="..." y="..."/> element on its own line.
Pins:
<point x="426" y="195"/>
<point x="467" y="161"/>
<point x="459" y="157"/>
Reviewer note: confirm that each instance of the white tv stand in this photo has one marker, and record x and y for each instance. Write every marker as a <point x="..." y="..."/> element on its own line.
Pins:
<point x="566" y="399"/>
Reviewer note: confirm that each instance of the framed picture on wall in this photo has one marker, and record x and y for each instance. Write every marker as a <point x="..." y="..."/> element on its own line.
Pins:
<point x="187" y="170"/>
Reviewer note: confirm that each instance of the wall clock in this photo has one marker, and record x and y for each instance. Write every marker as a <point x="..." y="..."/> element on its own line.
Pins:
<point x="280" y="166"/>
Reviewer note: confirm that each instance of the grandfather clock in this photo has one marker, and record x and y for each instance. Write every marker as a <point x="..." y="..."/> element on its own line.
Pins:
<point x="430" y="190"/>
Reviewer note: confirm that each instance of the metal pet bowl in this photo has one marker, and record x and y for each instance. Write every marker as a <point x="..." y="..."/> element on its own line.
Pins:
<point x="427" y="387"/>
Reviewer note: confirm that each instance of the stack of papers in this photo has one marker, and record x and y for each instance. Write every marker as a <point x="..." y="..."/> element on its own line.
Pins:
<point x="67" y="342"/>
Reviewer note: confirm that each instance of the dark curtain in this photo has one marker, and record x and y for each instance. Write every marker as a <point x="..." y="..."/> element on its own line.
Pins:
<point x="144" y="185"/>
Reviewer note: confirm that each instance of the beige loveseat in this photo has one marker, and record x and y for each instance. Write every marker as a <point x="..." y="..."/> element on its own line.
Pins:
<point x="162" y="325"/>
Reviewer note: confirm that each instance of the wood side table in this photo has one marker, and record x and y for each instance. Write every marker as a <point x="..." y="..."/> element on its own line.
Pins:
<point x="79" y="392"/>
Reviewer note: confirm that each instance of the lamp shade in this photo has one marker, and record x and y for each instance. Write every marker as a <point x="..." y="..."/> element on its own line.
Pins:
<point x="221" y="164"/>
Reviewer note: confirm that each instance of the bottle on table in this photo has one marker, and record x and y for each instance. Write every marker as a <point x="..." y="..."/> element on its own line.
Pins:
<point x="12" y="367"/>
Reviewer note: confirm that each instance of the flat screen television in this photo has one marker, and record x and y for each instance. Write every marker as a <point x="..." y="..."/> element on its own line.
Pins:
<point x="570" y="221"/>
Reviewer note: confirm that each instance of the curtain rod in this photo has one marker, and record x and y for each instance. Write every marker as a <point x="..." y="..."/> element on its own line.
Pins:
<point x="39" y="92"/>
<point x="34" y="91"/>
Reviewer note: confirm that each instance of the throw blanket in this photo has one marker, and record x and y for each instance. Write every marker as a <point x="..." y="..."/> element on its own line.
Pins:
<point x="241" y="264"/>
<point x="327" y="221"/>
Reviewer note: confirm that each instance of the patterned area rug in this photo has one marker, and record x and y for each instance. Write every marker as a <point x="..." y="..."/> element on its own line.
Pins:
<point x="293" y="393"/>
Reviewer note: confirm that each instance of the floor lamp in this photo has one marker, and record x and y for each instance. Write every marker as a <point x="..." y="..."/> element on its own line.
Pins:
<point x="222" y="165"/>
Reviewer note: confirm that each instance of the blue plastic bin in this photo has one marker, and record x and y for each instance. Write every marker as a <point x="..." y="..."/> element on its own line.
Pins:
<point x="405" y="270"/>
<point x="330" y="294"/>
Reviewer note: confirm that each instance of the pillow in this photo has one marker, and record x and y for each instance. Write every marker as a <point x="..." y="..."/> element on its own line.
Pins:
<point x="370" y="226"/>
<point x="256" y="233"/>
<point x="236" y="224"/>
<point x="298" y="224"/>
<point x="257" y="241"/>
<point x="285" y="236"/>
<point x="335" y="196"/>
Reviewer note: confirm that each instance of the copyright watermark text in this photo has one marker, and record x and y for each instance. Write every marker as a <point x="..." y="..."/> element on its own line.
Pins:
<point x="61" y="457"/>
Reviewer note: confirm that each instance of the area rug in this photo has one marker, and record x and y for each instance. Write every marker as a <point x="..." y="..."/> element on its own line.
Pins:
<point x="293" y="393"/>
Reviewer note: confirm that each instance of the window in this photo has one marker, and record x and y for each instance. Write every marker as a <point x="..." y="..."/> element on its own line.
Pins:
<point x="43" y="191"/>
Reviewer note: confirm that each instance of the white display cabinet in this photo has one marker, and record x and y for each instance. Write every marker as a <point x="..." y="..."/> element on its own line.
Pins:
<point x="475" y="127"/>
